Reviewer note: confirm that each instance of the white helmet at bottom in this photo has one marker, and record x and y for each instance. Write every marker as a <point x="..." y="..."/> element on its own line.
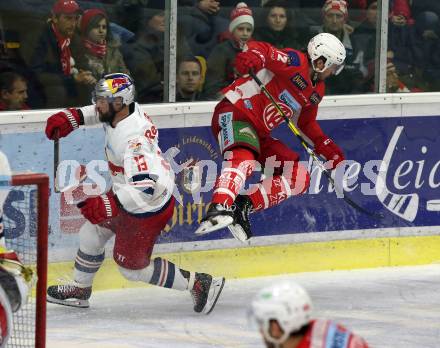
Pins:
<point x="329" y="47"/>
<point x="287" y="303"/>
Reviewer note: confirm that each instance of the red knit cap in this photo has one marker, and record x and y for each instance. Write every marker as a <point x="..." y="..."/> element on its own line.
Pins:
<point x="339" y="5"/>
<point x="88" y="16"/>
<point x="239" y="15"/>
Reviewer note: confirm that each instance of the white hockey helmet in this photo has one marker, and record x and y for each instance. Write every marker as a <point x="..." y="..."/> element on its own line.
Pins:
<point x="287" y="303"/>
<point x="330" y="48"/>
<point x="115" y="85"/>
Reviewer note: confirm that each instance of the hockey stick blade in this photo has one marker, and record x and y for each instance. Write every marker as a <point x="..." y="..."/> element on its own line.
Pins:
<point x="310" y="151"/>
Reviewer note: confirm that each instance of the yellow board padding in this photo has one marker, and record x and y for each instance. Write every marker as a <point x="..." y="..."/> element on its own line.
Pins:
<point x="280" y="259"/>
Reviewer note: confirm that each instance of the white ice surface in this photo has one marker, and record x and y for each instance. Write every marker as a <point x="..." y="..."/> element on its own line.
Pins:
<point x="389" y="307"/>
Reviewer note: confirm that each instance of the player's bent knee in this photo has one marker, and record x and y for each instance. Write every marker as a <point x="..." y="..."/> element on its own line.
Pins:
<point x="91" y="241"/>
<point x="130" y="274"/>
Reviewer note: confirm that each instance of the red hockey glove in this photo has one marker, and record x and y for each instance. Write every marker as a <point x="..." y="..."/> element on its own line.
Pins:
<point x="330" y="151"/>
<point x="99" y="208"/>
<point x="245" y="61"/>
<point x="64" y="121"/>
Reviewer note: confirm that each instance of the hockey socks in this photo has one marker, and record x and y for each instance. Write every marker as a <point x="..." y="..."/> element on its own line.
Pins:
<point x="86" y="267"/>
<point x="232" y="178"/>
<point x="166" y="274"/>
<point x="274" y="190"/>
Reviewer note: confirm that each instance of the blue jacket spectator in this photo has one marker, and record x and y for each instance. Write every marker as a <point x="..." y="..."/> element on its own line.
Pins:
<point x="202" y="26"/>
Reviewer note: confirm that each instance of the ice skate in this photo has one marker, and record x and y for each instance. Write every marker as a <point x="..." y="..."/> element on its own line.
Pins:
<point x="69" y="295"/>
<point x="217" y="217"/>
<point x="241" y="227"/>
<point x="206" y="291"/>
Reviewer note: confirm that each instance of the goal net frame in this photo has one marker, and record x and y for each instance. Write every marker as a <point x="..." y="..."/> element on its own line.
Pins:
<point x="41" y="182"/>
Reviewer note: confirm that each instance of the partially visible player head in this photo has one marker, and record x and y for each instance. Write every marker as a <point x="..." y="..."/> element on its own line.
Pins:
<point x="327" y="55"/>
<point x="281" y="312"/>
<point x="15" y="279"/>
<point x="242" y="23"/>
<point x="113" y="94"/>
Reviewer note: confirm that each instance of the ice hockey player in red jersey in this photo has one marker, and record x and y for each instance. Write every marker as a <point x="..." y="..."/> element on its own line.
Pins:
<point x="137" y="207"/>
<point x="283" y="314"/>
<point x="243" y="121"/>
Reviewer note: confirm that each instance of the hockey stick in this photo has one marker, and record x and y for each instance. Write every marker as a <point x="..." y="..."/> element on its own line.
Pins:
<point x="311" y="152"/>
<point x="56" y="160"/>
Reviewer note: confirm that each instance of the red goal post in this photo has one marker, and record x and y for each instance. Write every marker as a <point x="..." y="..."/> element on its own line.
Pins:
<point x="31" y="246"/>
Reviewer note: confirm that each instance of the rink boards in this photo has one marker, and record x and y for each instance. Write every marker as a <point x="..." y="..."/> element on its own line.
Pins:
<point x="391" y="143"/>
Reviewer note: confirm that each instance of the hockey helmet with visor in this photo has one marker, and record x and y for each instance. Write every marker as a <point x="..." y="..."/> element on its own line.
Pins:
<point x="114" y="86"/>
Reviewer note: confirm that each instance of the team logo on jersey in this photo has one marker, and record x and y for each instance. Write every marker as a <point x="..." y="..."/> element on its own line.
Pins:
<point x="293" y="59"/>
<point x="135" y="145"/>
<point x="239" y="92"/>
<point x="227" y="132"/>
<point x="299" y="82"/>
<point x="315" y="98"/>
<point x="247" y="104"/>
<point x="271" y="116"/>
<point x="289" y="100"/>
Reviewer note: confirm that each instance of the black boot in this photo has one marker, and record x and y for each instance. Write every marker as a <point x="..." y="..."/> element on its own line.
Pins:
<point x="205" y="292"/>
<point x="218" y="216"/>
<point x="69" y="295"/>
<point x="241" y="227"/>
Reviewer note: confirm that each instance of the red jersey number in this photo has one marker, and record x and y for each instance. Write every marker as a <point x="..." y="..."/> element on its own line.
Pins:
<point x="151" y="133"/>
<point x="141" y="163"/>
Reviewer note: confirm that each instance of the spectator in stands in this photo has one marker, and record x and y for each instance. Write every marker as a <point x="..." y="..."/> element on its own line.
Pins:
<point x="98" y="52"/>
<point x="13" y="92"/>
<point x="53" y="61"/>
<point x="365" y="35"/>
<point x="189" y="79"/>
<point x="427" y="49"/>
<point x="220" y="62"/>
<point x="278" y="28"/>
<point x="12" y="60"/>
<point x="401" y="36"/>
<point x="144" y="55"/>
<point x="350" y="80"/>
<point x="202" y="26"/>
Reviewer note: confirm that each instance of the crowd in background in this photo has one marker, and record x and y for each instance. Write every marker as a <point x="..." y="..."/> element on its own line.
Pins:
<point x="52" y="53"/>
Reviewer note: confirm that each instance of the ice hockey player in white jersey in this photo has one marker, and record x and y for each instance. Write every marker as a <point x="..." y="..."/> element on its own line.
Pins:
<point x="137" y="207"/>
<point x="14" y="287"/>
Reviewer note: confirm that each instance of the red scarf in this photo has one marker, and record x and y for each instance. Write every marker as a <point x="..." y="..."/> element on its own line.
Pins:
<point x="98" y="50"/>
<point x="63" y="44"/>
